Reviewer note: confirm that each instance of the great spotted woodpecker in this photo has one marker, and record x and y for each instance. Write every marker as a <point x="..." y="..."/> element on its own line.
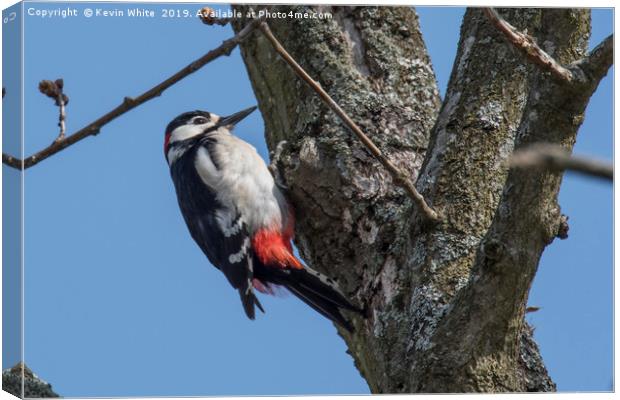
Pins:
<point x="238" y="216"/>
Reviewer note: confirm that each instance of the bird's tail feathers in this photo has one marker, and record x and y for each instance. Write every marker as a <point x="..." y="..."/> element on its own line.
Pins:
<point x="243" y="281"/>
<point x="315" y="289"/>
<point x="323" y="306"/>
<point x="249" y="300"/>
<point x="323" y="286"/>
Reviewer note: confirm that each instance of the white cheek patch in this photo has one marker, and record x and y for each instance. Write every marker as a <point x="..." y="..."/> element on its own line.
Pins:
<point x="188" y="131"/>
<point x="185" y="132"/>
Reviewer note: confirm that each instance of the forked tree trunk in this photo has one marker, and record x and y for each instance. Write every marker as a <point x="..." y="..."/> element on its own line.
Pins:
<point x="447" y="301"/>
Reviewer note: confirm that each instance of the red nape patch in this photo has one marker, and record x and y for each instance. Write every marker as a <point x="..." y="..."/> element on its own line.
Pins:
<point x="274" y="250"/>
<point x="166" y="142"/>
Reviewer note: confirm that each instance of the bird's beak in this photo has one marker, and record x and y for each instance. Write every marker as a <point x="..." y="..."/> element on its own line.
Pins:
<point x="233" y="119"/>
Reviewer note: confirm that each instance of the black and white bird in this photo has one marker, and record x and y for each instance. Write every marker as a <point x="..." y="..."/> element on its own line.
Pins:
<point x="238" y="216"/>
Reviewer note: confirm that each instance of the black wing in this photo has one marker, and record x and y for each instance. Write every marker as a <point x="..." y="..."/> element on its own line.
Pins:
<point x="220" y="233"/>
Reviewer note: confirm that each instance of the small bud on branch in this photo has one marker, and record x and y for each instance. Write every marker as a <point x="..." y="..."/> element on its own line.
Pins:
<point x="54" y="90"/>
<point x="208" y="17"/>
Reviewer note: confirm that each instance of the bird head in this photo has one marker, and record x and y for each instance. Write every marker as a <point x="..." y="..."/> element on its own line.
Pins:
<point x="194" y="123"/>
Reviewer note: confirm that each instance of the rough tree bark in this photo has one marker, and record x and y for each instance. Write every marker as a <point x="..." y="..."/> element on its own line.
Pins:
<point x="447" y="301"/>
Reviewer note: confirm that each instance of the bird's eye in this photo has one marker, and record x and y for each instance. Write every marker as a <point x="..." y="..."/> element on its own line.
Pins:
<point x="200" y="121"/>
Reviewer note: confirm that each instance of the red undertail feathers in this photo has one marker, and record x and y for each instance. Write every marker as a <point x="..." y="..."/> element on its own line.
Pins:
<point x="273" y="248"/>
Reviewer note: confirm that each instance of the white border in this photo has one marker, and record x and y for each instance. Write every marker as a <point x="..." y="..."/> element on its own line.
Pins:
<point x="502" y="3"/>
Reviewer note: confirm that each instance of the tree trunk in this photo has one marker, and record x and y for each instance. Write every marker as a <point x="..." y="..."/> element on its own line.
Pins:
<point x="446" y="301"/>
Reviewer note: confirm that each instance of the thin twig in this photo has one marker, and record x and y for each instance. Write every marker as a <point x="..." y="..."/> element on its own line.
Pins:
<point x="556" y="158"/>
<point x="62" y="117"/>
<point x="54" y="90"/>
<point x="61" y="120"/>
<point x="526" y="44"/>
<point x="12" y="161"/>
<point x="129" y="103"/>
<point x="597" y="63"/>
<point x="399" y="177"/>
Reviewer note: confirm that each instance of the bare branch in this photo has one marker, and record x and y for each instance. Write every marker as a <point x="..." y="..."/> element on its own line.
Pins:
<point x="556" y="158"/>
<point x="12" y="161"/>
<point x="62" y="117"/>
<point x="526" y="45"/>
<point x="399" y="177"/>
<point x="599" y="60"/>
<point x="130" y="103"/>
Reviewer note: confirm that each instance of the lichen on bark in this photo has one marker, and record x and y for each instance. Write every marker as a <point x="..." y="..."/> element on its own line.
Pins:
<point x="446" y="301"/>
<point x="20" y="381"/>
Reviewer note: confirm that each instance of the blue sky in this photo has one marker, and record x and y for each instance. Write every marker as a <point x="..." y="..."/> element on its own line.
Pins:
<point x="119" y="301"/>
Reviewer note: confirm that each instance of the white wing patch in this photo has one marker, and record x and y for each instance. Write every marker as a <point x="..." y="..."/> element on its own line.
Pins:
<point x="240" y="255"/>
<point x="242" y="182"/>
<point x="206" y="169"/>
